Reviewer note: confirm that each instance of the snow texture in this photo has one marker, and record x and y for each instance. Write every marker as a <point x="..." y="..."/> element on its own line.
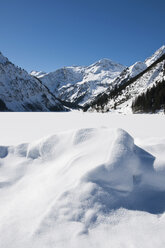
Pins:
<point x="83" y="188"/>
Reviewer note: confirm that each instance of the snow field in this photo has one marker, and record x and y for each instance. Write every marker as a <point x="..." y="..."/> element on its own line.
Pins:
<point x="85" y="187"/>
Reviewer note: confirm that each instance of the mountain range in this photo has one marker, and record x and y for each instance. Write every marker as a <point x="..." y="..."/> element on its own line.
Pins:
<point x="103" y="86"/>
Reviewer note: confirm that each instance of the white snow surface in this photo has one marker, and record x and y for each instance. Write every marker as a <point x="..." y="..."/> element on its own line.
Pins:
<point x="86" y="187"/>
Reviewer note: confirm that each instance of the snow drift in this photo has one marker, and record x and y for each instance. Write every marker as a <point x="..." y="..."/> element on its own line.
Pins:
<point x="78" y="188"/>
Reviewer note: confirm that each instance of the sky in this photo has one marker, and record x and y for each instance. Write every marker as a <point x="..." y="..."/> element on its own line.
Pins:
<point x="48" y="34"/>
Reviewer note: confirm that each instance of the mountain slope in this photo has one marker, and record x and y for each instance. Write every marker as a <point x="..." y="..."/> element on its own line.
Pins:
<point x="19" y="91"/>
<point x="103" y="86"/>
<point x="159" y="53"/>
<point x="78" y="85"/>
<point x="152" y="100"/>
<point x="129" y="84"/>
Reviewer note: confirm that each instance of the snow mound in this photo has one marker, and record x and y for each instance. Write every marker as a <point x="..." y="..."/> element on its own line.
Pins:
<point x="3" y="151"/>
<point x="126" y="165"/>
<point x="76" y="182"/>
<point x="43" y="149"/>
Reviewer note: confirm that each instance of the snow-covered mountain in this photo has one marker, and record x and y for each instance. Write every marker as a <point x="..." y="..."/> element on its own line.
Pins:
<point x="19" y="91"/>
<point x="102" y="86"/>
<point x="80" y="84"/>
<point x="132" y="82"/>
<point x="160" y="52"/>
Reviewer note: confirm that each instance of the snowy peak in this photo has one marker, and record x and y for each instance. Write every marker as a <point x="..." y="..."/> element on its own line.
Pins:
<point x="137" y="68"/>
<point x="79" y="84"/>
<point x="106" y="65"/>
<point x="155" y="56"/>
<point x="37" y="74"/>
<point x="132" y="82"/>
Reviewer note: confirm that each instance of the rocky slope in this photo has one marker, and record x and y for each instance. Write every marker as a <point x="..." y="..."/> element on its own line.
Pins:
<point x="19" y="91"/>
<point x="79" y="85"/>
<point x="103" y="86"/>
<point x="132" y="82"/>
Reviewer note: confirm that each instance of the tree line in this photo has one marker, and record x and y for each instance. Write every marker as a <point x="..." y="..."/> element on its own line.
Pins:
<point x="152" y="100"/>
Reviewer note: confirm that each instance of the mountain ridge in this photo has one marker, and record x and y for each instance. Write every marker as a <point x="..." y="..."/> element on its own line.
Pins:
<point x="102" y="86"/>
<point x="77" y="84"/>
<point x="21" y="92"/>
<point x="111" y="98"/>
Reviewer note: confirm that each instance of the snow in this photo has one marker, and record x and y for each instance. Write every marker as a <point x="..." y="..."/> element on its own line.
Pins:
<point x="38" y="73"/>
<point x="139" y="86"/>
<point x="19" y="91"/>
<point x="138" y="78"/>
<point x="155" y="56"/>
<point x="82" y="180"/>
<point x="137" y="68"/>
<point x="78" y="85"/>
<point x="85" y="82"/>
<point x="81" y="84"/>
<point x="19" y="128"/>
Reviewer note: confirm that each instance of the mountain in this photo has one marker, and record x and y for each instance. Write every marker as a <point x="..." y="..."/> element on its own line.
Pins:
<point x="159" y="53"/>
<point x="132" y="82"/>
<point x="78" y="85"/>
<point x="152" y="100"/>
<point x="19" y="91"/>
<point x="103" y="86"/>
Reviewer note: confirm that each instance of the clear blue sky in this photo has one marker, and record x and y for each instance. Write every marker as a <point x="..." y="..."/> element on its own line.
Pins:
<point x="49" y="34"/>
